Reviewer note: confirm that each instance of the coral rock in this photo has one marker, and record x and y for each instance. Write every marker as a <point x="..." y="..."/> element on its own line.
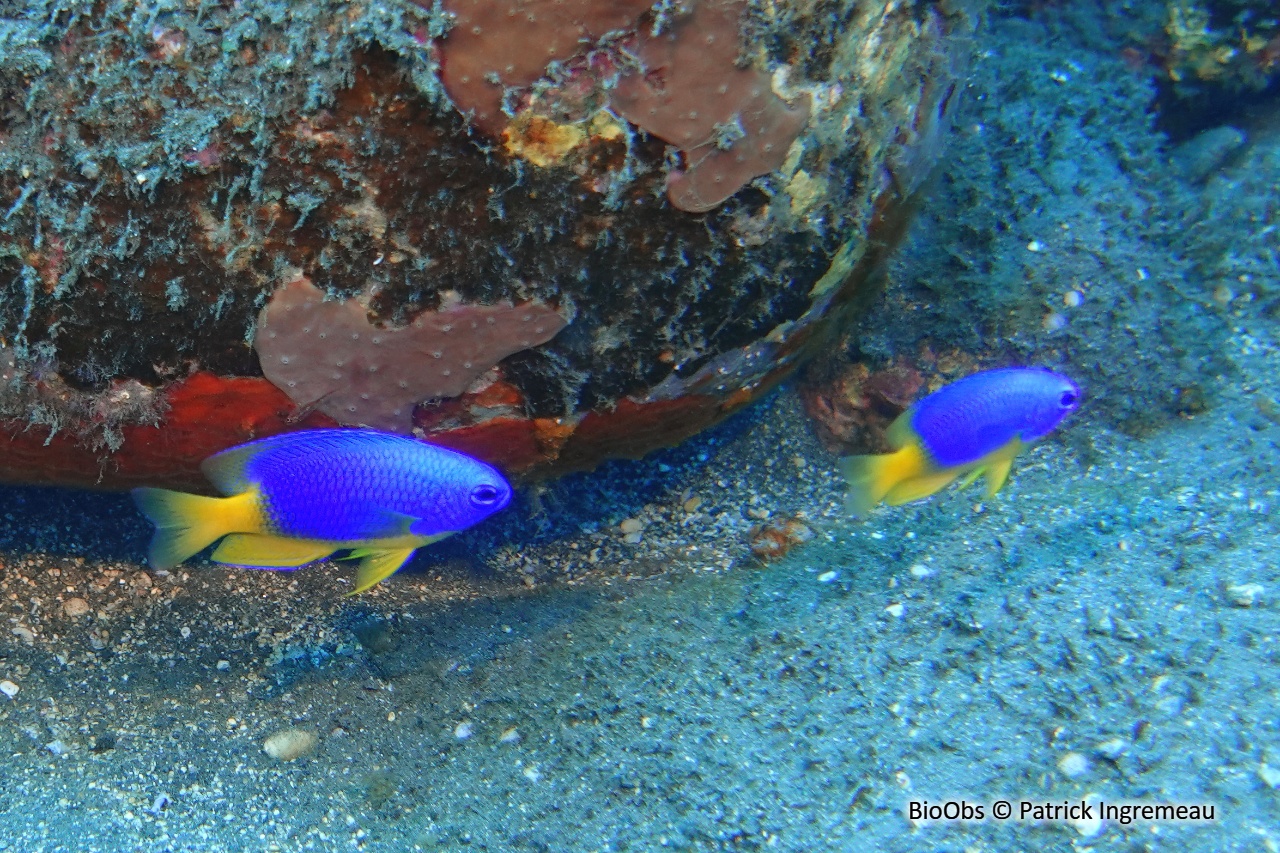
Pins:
<point x="772" y="539"/>
<point x="368" y="147"/>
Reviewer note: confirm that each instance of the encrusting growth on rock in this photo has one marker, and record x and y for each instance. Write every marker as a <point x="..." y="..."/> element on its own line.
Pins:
<point x="726" y="120"/>
<point x="497" y="44"/>
<point x="325" y="354"/>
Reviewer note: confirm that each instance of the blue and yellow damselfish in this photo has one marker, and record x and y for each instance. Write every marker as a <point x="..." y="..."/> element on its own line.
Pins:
<point x="973" y="427"/>
<point x="295" y="498"/>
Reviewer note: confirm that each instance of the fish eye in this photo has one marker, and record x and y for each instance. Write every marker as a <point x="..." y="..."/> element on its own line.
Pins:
<point x="485" y="495"/>
<point x="1068" y="399"/>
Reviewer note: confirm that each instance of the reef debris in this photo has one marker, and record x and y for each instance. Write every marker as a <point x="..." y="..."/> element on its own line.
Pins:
<point x="851" y="411"/>
<point x="774" y="538"/>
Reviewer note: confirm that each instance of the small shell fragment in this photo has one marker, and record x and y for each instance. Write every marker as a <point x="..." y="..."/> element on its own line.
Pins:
<point x="75" y="607"/>
<point x="290" y="744"/>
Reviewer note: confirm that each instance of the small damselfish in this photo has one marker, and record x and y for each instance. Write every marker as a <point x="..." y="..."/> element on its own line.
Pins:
<point x="292" y="499"/>
<point x="973" y="427"/>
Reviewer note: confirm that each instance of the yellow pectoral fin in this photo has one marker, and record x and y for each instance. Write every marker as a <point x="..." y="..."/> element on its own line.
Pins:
<point x="270" y="552"/>
<point x="379" y="563"/>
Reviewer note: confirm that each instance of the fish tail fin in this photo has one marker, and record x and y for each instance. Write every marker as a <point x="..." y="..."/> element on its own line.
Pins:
<point x="187" y="524"/>
<point x="871" y="478"/>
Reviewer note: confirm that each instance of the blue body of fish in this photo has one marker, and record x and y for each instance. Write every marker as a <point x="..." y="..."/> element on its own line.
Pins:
<point x="970" y="428"/>
<point x="972" y="417"/>
<point x="294" y="498"/>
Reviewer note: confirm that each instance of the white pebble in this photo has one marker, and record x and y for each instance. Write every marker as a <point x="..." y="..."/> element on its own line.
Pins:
<point x="511" y="735"/>
<point x="1073" y="765"/>
<point x="8" y="688"/>
<point x="631" y="525"/>
<point x="920" y="570"/>
<point x="289" y="744"/>
<point x="828" y="577"/>
<point x="1089" y="826"/>
<point x="1244" y="594"/>
<point x="1112" y="749"/>
<point x="463" y="730"/>
<point x="895" y="610"/>
<point x="1270" y="775"/>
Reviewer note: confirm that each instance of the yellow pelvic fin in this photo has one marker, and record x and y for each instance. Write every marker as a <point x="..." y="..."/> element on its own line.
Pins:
<point x="266" y="551"/>
<point x="187" y="524"/>
<point x="997" y="473"/>
<point x="382" y="560"/>
<point x="995" y="467"/>
<point x="377" y="566"/>
<point x="974" y="473"/>
<point x="871" y="478"/>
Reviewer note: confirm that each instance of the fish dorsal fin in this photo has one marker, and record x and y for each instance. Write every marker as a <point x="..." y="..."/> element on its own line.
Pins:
<point x="900" y="433"/>
<point x="226" y="470"/>
<point x="264" y="551"/>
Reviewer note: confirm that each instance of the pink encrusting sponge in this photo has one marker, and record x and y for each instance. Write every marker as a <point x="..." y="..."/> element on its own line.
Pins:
<point x="691" y="92"/>
<point x="326" y="355"/>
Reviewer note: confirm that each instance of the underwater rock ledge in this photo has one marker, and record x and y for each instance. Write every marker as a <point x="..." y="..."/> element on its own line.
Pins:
<point x="699" y="196"/>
